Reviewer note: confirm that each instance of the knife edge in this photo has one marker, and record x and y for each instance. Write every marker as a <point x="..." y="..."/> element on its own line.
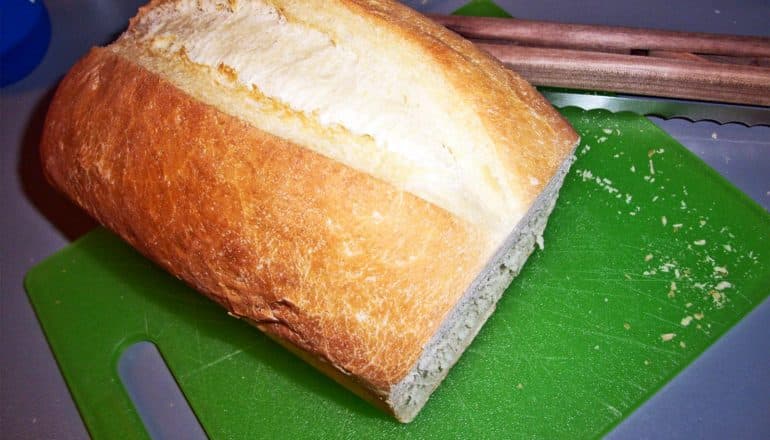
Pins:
<point x="694" y="111"/>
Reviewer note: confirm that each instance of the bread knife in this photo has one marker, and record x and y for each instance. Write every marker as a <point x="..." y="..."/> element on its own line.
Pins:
<point x="662" y="107"/>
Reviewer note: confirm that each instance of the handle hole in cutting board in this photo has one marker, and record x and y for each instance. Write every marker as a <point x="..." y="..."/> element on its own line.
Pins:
<point x="155" y="394"/>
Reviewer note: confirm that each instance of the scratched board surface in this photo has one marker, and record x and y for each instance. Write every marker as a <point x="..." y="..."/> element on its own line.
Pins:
<point x="649" y="257"/>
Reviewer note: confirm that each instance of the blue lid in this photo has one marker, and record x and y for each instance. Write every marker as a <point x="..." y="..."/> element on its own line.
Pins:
<point x="25" y="33"/>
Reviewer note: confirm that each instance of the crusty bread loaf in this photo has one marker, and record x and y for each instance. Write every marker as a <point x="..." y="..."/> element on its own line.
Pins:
<point x="356" y="181"/>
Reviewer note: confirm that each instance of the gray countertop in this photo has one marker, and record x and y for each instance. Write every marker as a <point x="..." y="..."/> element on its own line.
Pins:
<point x="724" y="394"/>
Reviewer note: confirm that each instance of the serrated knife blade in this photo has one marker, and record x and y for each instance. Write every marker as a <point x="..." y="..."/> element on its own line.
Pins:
<point x="665" y="108"/>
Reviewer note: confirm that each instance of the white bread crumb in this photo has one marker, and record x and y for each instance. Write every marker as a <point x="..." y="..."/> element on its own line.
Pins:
<point x="720" y="270"/>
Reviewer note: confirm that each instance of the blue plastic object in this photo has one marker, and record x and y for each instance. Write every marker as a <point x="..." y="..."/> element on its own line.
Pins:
<point x="25" y="33"/>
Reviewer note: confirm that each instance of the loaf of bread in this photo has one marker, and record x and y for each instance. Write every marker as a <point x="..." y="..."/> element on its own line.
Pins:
<point x="354" y="180"/>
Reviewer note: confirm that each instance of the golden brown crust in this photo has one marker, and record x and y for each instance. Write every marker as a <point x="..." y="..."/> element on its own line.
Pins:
<point x="342" y="265"/>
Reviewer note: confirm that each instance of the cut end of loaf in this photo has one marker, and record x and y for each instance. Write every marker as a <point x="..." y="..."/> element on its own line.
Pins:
<point x="463" y="323"/>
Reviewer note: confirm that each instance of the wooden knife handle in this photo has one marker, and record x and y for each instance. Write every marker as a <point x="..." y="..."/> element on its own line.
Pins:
<point x="676" y="78"/>
<point x="725" y="68"/>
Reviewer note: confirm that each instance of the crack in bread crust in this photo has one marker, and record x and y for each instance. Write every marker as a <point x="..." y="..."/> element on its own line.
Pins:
<point x="421" y="134"/>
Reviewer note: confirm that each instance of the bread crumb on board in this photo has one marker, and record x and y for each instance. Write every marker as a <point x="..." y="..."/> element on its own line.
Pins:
<point x="672" y="290"/>
<point x="720" y="270"/>
<point x="667" y="336"/>
<point x="718" y="298"/>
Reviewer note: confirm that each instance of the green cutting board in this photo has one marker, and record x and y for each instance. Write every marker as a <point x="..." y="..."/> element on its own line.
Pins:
<point x="649" y="257"/>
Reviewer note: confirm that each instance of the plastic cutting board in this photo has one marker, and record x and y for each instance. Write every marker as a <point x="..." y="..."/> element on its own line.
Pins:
<point x="649" y="257"/>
